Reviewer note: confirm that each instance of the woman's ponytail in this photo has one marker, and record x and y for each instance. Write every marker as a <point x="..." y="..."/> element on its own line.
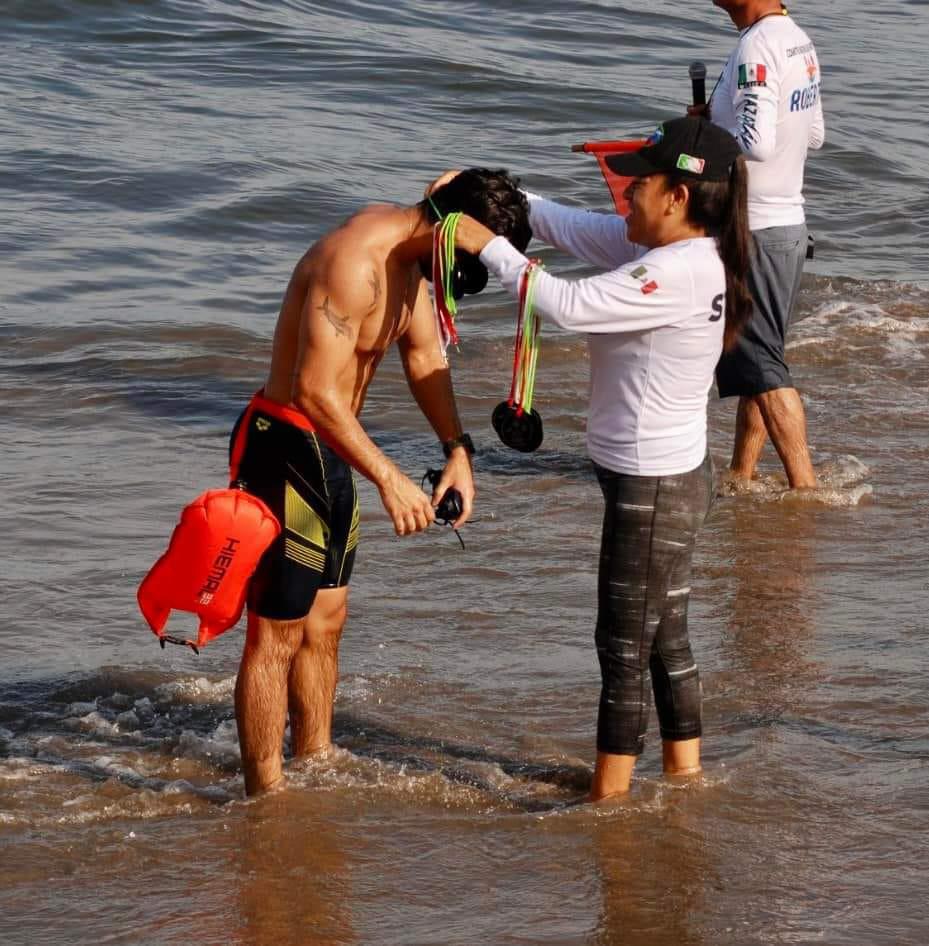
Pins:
<point x="721" y="208"/>
<point x="735" y="247"/>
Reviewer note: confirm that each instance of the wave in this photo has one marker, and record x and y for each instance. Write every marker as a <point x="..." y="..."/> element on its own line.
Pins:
<point x="123" y="745"/>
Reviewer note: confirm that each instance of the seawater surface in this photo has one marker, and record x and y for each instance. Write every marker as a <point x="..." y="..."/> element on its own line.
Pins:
<point x="162" y="166"/>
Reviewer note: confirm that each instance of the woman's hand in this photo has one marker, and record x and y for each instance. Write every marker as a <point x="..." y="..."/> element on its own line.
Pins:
<point x="472" y="236"/>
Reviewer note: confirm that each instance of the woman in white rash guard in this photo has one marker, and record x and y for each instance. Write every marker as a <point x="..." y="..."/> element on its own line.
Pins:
<point x="657" y="322"/>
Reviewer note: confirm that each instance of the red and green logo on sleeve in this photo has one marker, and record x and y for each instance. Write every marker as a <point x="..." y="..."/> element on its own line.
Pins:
<point x="648" y="284"/>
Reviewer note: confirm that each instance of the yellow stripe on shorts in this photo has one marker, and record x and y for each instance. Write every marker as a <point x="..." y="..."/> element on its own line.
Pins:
<point x="301" y="519"/>
<point x="355" y="531"/>
<point x="303" y="555"/>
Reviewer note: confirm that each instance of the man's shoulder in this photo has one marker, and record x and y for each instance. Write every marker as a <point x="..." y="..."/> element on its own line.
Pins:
<point x="363" y="234"/>
<point x="373" y="219"/>
<point x="779" y="36"/>
<point x="373" y="212"/>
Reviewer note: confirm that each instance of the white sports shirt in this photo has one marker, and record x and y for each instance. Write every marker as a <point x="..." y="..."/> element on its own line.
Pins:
<point x="655" y="332"/>
<point x="768" y="98"/>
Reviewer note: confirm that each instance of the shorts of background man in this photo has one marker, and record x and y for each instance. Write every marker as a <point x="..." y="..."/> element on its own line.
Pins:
<point x="277" y="456"/>
<point x="650" y="526"/>
<point x="757" y="363"/>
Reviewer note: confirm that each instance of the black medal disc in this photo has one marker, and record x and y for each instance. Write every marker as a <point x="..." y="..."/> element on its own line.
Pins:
<point x="469" y="277"/>
<point x="519" y="431"/>
<point x="500" y="411"/>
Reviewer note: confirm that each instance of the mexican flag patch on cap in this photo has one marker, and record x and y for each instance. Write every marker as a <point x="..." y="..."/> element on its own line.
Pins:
<point x="687" y="163"/>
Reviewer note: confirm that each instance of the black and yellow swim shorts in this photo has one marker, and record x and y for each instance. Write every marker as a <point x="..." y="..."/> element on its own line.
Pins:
<point x="276" y="455"/>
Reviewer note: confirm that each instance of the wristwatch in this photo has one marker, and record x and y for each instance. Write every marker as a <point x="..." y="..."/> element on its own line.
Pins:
<point x="463" y="441"/>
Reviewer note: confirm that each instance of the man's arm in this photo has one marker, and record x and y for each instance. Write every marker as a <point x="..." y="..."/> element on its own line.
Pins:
<point x="430" y="382"/>
<point x="331" y="318"/>
<point x="755" y="99"/>
<point x="818" y="127"/>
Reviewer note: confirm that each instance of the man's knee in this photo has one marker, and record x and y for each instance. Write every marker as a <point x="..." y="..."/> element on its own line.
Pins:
<point x="324" y="623"/>
<point x="272" y="641"/>
<point x="780" y="405"/>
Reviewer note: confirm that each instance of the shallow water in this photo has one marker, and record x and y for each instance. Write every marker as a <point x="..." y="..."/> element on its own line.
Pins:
<point x="163" y="166"/>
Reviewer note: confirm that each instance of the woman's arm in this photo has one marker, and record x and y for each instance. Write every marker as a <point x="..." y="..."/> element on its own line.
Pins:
<point x="635" y="297"/>
<point x="596" y="238"/>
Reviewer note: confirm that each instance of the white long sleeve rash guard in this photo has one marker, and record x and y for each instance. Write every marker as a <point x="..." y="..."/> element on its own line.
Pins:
<point x="768" y="98"/>
<point x="655" y="331"/>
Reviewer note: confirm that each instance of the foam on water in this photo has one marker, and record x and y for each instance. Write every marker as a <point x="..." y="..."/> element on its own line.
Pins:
<point x="172" y="750"/>
<point x="198" y="691"/>
<point x="441" y="778"/>
<point x="838" y="484"/>
<point x="892" y="329"/>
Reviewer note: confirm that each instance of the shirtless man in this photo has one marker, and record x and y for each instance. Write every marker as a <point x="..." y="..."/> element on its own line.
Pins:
<point x="354" y="293"/>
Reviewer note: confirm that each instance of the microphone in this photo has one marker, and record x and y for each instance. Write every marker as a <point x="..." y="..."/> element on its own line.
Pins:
<point x="697" y="72"/>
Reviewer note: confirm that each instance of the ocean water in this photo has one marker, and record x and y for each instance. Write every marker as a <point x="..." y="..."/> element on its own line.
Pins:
<point x="162" y="166"/>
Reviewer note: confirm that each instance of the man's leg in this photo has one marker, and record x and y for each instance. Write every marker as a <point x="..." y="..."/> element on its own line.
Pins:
<point x="261" y="698"/>
<point x="778" y="413"/>
<point x="785" y="421"/>
<point x="758" y="363"/>
<point x="314" y="672"/>
<point x="750" y="437"/>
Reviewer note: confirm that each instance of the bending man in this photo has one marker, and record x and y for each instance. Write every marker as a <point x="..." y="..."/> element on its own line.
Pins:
<point x="354" y="293"/>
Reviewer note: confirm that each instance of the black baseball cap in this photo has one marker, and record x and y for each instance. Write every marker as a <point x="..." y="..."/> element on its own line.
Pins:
<point x="691" y="146"/>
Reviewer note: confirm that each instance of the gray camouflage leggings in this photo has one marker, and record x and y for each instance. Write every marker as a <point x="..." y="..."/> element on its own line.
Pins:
<point x="649" y="530"/>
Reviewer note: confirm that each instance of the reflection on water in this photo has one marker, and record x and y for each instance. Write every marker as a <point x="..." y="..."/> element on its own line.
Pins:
<point x="770" y="630"/>
<point x="292" y="864"/>
<point x="656" y="870"/>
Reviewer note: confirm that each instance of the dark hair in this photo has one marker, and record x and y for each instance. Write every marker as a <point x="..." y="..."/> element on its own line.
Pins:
<point x="492" y="197"/>
<point x="721" y="208"/>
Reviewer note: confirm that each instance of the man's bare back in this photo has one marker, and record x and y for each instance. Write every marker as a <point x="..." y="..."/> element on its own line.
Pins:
<point x="383" y="295"/>
<point x="353" y="294"/>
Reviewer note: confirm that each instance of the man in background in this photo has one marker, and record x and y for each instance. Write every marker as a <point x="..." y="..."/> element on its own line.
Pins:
<point x="768" y="97"/>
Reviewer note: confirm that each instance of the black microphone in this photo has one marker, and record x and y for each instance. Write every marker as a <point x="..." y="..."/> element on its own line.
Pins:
<point x="697" y="72"/>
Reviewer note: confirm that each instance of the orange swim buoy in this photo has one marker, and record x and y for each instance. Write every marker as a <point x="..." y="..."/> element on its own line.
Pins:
<point x="213" y="552"/>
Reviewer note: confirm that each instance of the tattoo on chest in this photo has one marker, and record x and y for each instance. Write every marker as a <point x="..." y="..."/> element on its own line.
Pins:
<point x="338" y="322"/>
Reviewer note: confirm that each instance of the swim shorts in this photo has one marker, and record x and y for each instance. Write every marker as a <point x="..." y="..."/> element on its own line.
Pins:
<point x="276" y="455"/>
<point x="757" y="363"/>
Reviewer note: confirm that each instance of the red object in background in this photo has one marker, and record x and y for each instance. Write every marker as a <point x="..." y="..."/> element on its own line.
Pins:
<point x="616" y="183"/>
<point x="212" y="554"/>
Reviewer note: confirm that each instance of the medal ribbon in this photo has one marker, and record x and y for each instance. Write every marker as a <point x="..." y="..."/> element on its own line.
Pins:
<point x="526" y="348"/>
<point x="443" y="269"/>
